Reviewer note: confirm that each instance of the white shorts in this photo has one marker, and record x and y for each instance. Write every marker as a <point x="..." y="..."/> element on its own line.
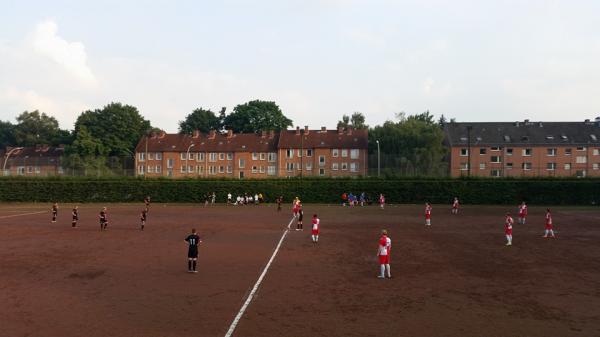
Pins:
<point x="428" y="222"/>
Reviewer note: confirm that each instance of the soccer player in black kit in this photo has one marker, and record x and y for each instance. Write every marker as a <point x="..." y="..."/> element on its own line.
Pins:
<point x="75" y="214"/>
<point x="103" y="219"/>
<point x="143" y="218"/>
<point x="193" y="240"/>
<point x="54" y="212"/>
<point x="147" y="202"/>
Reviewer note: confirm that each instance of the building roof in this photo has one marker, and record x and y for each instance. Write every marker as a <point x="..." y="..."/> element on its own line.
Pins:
<point x="524" y="133"/>
<point x="240" y="142"/>
<point x="335" y="139"/>
<point x="39" y="151"/>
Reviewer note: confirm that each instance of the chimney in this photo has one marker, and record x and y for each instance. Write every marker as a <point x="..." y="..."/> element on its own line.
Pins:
<point x="597" y="121"/>
<point x="297" y="130"/>
<point x="517" y="123"/>
<point x="323" y="129"/>
<point x="263" y="134"/>
<point x="349" y="131"/>
<point x="162" y="134"/>
<point x="271" y="134"/>
<point x="229" y="134"/>
<point x="306" y="130"/>
<point x="526" y="121"/>
<point x="340" y="130"/>
<point x="196" y="134"/>
<point x="212" y="134"/>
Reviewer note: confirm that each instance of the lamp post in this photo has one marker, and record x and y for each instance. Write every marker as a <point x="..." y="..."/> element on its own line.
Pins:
<point x="187" y="156"/>
<point x="6" y="159"/>
<point x="378" y="160"/>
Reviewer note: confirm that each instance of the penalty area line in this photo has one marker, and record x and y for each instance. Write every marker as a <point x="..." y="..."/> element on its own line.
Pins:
<point x="240" y="313"/>
<point x="14" y="215"/>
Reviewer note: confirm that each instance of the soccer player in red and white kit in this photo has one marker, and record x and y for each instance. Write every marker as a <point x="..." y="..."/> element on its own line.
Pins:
<point x="383" y="252"/>
<point x="381" y="201"/>
<point x="508" y="222"/>
<point x="427" y="214"/>
<point x="455" y="205"/>
<point x="549" y="230"/>
<point x="316" y="224"/>
<point x="522" y="213"/>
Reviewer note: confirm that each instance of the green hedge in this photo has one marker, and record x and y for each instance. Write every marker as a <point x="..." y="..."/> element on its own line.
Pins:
<point x="470" y="191"/>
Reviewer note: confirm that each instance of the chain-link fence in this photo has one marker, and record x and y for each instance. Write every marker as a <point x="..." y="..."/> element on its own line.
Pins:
<point x="40" y="166"/>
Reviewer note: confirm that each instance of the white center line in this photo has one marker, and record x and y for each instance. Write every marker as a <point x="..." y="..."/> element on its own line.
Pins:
<point x="239" y="315"/>
<point x="14" y="215"/>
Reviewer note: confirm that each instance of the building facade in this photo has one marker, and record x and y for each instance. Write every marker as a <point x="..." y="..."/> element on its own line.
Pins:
<point x="34" y="161"/>
<point x="524" y="149"/>
<point x="290" y="153"/>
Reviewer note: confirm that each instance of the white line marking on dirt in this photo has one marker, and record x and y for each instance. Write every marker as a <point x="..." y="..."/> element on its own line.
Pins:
<point x="239" y="315"/>
<point x="14" y="215"/>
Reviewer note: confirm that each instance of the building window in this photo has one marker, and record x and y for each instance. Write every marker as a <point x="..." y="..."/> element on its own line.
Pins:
<point x="29" y="169"/>
<point x="496" y="159"/>
<point x="229" y="155"/>
<point x="509" y="166"/>
<point x="289" y="153"/>
<point x="344" y="166"/>
<point x="182" y="169"/>
<point x="150" y="157"/>
<point x="221" y="156"/>
<point x="170" y="162"/>
<point x="321" y="171"/>
<point x="482" y="166"/>
<point x="272" y="157"/>
<point x="263" y="156"/>
<point x="353" y="167"/>
<point x="150" y="167"/>
<point x="321" y="160"/>
<point x="581" y="148"/>
<point x="580" y="173"/>
<point x="567" y="166"/>
<point x="551" y="166"/>
<point x="221" y="169"/>
<point x="334" y="166"/>
<point x="212" y="170"/>
<point x="509" y="152"/>
<point x="158" y="156"/>
<point x="254" y="169"/>
<point x="495" y="173"/>
<point x="140" y="169"/>
<point x="551" y="152"/>
<point x="464" y="166"/>
<point x="595" y="166"/>
<point x="289" y="167"/>
<point x="271" y="170"/>
<point x="526" y="166"/>
<point x="254" y="156"/>
<point x="309" y="152"/>
<point x="495" y="148"/>
<point x="464" y="152"/>
<point x="568" y="152"/>
<point x="242" y="163"/>
<point x="527" y="152"/>
<point x="596" y="152"/>
<point x="299" y="153"/>
<point x="142" y="156"/>
<point x="182" y="155"/>
<point x="262" y="169"/>
<point x="482" y="150"/>
<point x="200" y="156"/>
<point x="581" y="159"/>
<point x="192" y="156"/>
<point x="299" y="166"/>
<point x="212" y="157"/>
<point x="158" y="168"/>
<point x="308" y="166"/>
<point x="334" y="152"/>
<point x="344" y="153"/>
<point x="354" y="153"/>
<point x="229" y="169"/>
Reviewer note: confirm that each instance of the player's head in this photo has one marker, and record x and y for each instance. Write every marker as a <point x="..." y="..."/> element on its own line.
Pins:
<point x="104" y="208"/>
<point x="193" y="230"/>
<point x="507" y="213"/>
<point x="314" y="215"/>
<point x="384" y="232"/>
<point x="548" y="210"/>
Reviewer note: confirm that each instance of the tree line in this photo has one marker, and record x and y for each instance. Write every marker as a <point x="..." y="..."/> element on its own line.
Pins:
<point x="103" y="140"/>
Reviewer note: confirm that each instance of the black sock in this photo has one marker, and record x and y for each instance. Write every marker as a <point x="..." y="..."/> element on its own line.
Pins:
<point x="189" y="265"/>
<point x="194" y="264"/>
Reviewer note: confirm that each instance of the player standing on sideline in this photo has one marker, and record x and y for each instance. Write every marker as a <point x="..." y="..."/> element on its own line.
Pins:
<point x="522" y="213"/>
<point x="455" y="205"/>
<point x="213" y="198"/>
<point x="508" y="222"/>
<point x="381" y="201"/>
<point x="147" y="202"/>
<point x="427" y="214"/>
<point x="316" y="224"/>
<point x="143" y="218"/>
<point x="228" y="199"/>
<point x="279" y="201"/>
<point x="549" y="229"/>
<point x="383" y="252"/>
<point x="75" y="214"/>
<point x="300" y="217"/>
<point x="103" y="219"/>
<point x="54" y="212"/>
<point x="193" y="240"/>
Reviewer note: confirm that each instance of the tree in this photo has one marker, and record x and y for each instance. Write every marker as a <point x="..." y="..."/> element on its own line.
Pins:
<point x="7" y="134"/>
<point x="358" y="121"/>
<point x="256" y="116"/>
<point x="116" y="126"/>
<point x="344" y="122"/>
<point x="34" y="128"/>
<point x="199" y="119"/>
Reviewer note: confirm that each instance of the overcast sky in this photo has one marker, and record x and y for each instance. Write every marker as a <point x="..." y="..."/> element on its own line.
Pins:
<point x="318" y="59"/>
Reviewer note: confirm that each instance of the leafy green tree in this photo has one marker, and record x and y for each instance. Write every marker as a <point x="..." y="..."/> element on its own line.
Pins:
<point x="34" y="128"/>
<point x="86" y="155"/>
<point x="116" y="126"/>
<point x="356" y="121"/>
<point x="344" y="122"/>
<point x="256" y="116"/>
<point x="7" y="134"/>
<point x="199" y="119"/>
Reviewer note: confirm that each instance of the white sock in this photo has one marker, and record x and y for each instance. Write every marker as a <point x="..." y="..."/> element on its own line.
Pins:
<point x="313" y="238"/>
<point x="382" y="267"/>
<point x="317" y="238"/>
<point x="389" y="271"/>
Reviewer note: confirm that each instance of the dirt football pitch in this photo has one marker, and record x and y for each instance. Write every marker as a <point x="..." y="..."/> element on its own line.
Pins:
<point x="455" y="278"/>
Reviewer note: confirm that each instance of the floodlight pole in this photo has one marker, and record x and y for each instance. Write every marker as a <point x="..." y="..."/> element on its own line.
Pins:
<point x="378" y="160"/>
<point x="7" y="156"/>
<point x="187" y="156"/>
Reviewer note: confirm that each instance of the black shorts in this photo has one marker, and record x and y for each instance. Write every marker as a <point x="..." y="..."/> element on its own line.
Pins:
<point x="193" y="252"/>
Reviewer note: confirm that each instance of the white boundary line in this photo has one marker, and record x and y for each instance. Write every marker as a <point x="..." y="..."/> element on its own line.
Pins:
<point x="14" y="215"/>
<point x="239" y="315"/>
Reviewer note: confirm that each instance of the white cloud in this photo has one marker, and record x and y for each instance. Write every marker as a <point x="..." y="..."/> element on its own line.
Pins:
<point x="71" y="55"/>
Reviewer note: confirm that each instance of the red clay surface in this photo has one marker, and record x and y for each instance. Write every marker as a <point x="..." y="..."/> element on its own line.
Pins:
<point x="455" y="278"/>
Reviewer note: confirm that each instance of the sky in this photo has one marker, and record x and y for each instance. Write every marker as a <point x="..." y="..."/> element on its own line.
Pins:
<point x="317" y="59"/>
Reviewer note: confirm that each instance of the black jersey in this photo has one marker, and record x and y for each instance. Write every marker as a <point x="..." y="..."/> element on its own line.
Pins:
<point x="75" y="215"/>
<point x="147" y="201"/>
<point x="103" y="218"/>
<point x="300" y="215"/>
<point x="193" y="240"/>
<point x="54" y="209"/>
<point x="143" y="216"/>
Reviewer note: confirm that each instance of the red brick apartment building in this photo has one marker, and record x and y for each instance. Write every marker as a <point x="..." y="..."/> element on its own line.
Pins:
<point x="290" y="153"/>
<point x="38" y="161"/>
<point x="503" y="149"/>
